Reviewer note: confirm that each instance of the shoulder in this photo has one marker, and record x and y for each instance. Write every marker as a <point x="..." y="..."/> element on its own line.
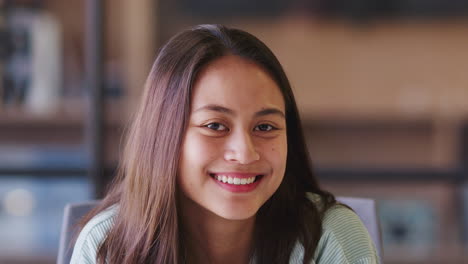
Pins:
<point x="92" y="235"/>
<point x="344" y="238"/>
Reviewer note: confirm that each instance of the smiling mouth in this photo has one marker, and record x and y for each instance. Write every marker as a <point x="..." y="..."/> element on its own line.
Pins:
<point x="234" y="180"/>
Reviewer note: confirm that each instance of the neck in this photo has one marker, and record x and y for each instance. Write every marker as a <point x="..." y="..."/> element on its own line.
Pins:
<point x="209" y="238"/>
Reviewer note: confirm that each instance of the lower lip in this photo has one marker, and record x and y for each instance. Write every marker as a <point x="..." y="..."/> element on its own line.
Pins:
<point x="239" y="188"/>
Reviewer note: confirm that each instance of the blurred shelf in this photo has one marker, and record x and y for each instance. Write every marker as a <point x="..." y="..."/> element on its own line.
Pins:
<point x="28" y="260"/>
<point x="70" y="113"/>
<point x="373" y="141"/>
<point x="49" y="160"/>
<point x="65" y="126"/>
<point x="374" y="113"/>
<point x="49" y="172"/>
<point x="39" y="172"/>
<point x="18" y="117"/>
<point x="340" y="114"/>
<point x="347" y="116"/>
<point x="392" y="174"/>
<point x="446" y="255"/>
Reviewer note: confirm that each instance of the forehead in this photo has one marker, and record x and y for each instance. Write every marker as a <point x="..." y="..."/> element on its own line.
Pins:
<point x="236" y="83"/>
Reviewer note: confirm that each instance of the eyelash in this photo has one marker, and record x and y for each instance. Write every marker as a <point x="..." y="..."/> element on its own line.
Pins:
<point x="215" y="123"/>
<point x="270" y="127"/>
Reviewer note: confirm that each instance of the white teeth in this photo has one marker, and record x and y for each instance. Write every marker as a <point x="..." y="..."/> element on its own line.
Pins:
<point x="235" y="181"/>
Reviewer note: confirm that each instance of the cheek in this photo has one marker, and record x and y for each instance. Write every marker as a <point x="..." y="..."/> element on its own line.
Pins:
<point x="197" y="151"/>
<point x="282" y="155"/>
<point x="276" y="153"/>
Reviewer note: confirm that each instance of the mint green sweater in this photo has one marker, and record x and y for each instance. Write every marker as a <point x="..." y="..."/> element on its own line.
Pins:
<point x="344" y="239"/>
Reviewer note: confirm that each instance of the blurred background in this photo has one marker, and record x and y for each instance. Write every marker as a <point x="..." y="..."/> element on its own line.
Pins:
<point x="382" y="87"/>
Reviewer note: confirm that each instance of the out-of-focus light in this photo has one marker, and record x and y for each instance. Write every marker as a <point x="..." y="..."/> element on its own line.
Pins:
<point x="19" y="202"/>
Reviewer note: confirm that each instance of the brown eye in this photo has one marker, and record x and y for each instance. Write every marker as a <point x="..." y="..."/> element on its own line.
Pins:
<point x="216" y="126"/>
<point x="264" y="127"/>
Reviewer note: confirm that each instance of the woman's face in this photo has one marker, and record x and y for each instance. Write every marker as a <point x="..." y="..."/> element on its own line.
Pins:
<point x="234" y="150"/>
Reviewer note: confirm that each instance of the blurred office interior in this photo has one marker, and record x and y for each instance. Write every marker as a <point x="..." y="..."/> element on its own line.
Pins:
<point x="382" y="87"/>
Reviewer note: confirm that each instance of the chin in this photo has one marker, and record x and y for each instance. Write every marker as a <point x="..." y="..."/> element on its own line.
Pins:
<point x="237" y="216"/>
<point x="236" y="213"/>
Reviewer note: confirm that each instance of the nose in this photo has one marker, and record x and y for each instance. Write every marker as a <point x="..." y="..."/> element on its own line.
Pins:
<point x="241" y="149"/>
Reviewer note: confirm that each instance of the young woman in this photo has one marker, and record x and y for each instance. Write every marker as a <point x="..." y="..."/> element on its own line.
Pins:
<point x="216" y="169"/>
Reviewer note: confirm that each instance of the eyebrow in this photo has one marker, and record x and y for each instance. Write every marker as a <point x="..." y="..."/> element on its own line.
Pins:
<point x="222" y="109"/>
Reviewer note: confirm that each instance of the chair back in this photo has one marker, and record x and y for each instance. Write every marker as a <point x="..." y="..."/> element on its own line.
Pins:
<point x="364" y="208"/>
<point x="71" y="215"/>
<point x="367" y="212"/>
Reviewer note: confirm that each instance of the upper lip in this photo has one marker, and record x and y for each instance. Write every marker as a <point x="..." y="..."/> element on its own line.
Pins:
<point x="237" y="174"/>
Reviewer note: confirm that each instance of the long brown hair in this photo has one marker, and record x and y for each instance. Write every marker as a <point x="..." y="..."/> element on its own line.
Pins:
<point x="146" y="228"/>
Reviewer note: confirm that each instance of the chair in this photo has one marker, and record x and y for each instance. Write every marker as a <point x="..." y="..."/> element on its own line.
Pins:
<point x="364" y="208"/>
<point x="367" y="212"/>
<point x="72" y="214"/>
